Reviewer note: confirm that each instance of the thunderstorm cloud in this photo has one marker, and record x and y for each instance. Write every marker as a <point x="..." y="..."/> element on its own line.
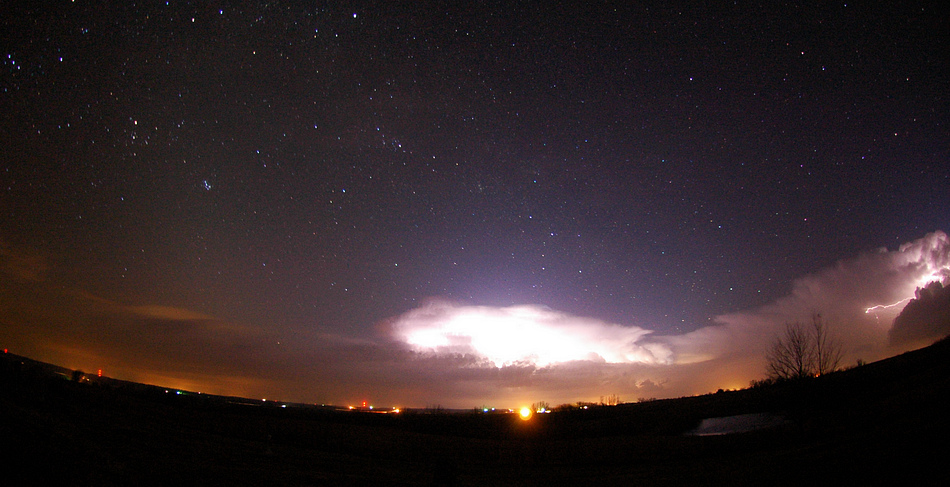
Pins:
<point x="459" y="355"/>
<point x="925" y="317"/>
<point x="524" y="334"/>
<point x="518" y="348"/>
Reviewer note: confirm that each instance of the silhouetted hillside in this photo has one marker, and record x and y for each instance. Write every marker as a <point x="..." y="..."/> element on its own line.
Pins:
<point x="875" y="424"/>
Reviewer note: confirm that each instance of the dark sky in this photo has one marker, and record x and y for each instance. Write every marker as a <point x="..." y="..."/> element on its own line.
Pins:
<point x="296" y="169"/>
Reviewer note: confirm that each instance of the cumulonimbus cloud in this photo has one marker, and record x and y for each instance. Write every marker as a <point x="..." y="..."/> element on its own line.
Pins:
<point x="532" y="334"/>
<point x="925" y="317"/>
<point x="859" y="297"/>
<point x="460" y="355"/>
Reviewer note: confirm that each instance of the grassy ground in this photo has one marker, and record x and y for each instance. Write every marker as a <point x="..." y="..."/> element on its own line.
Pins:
<point x="879" y="424"/>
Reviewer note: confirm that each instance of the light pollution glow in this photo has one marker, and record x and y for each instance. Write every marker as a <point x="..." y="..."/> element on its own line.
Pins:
<point x="459" y="354"/>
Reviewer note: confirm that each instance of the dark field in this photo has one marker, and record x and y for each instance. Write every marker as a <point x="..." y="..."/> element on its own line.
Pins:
<point x="880" y="424"/>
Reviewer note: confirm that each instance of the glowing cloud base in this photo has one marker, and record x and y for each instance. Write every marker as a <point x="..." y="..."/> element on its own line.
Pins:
<point x="523" y="335"/>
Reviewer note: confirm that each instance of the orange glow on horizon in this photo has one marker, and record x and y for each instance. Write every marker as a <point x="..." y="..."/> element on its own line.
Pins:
<point x="525" y="413"/>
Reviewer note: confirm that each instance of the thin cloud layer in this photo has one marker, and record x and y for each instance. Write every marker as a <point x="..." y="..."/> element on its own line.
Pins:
<point x="22" y="264"/>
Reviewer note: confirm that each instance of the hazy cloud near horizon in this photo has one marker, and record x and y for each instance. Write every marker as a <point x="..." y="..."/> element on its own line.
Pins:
<point x="461" y="355"/>
<point x="21" y="264"/>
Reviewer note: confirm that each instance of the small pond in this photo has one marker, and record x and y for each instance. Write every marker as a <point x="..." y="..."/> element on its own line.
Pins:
<point x="737" y="424"/>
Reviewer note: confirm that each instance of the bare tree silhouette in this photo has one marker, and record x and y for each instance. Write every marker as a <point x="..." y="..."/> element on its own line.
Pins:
<point x="803" y="351"/>
<point x="827" y="349"/>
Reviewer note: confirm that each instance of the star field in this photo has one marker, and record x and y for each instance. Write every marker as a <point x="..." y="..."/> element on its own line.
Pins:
<point x="291" y="165"/>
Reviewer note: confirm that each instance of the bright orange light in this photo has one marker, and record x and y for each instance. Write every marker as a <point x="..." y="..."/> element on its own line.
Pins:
<point x="525" y="413"/>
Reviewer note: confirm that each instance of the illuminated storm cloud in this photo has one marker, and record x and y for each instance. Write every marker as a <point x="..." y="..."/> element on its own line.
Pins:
<point x="523" y="334"/>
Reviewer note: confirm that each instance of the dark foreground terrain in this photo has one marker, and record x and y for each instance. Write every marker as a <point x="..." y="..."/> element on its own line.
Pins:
<point x="880" y="424"/>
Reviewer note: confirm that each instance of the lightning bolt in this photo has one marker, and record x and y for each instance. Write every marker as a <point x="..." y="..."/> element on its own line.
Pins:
<point x="935" y="276"/>
<point x="885" y="306"/>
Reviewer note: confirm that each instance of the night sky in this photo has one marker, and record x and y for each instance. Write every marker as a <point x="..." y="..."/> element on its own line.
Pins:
<point x="262" y="199"/>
